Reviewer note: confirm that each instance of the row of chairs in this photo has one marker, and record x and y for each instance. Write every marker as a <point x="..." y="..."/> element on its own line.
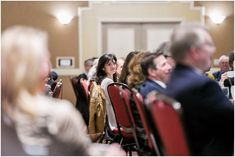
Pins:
<point x="160" y="116"/>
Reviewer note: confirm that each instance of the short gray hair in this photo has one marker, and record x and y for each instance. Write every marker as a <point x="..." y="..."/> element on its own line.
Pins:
<point x="223" y="57"/>
<point x="185" y="37"/>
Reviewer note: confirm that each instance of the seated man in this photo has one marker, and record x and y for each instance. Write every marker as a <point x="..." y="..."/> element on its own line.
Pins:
<point x="87" y="65"/>
<point x="223" y="65"/>
<point x="208" y="114"/>
<point x="157" y="72"/>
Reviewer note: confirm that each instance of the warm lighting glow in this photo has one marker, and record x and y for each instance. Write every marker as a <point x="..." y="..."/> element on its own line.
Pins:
<point x="217" y="18"/>
<point x="64" y="18"/>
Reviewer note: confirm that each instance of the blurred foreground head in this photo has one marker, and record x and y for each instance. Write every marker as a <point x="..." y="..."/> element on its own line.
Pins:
<point x="25" y="62"/>
<point x="193" y="45"/>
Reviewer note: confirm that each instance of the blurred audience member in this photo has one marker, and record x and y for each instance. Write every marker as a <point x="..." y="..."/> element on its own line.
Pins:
<point x="125" y="71"/>
<point x="208" y="114"/>
<point x="224" y="67"/>
<point x="92" y="71"/>
<point x="208" y="73"/>
<point x="120" y="63"/>
<point x="40" y="121"/>
<point x="87" y="65"/>
<point x="164" y="48"/>
<point x="228" y="77"/>
<point x="52" y="79"/>
<point x="135" y="77"/>
<point x="81" y="85"/>
<point x="231" y="61"/>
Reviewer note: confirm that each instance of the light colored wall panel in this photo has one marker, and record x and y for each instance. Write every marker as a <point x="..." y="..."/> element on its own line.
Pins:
<point x="158" y="33"/>
<point x="91" y="19"/>
<point x="120" y="41"/>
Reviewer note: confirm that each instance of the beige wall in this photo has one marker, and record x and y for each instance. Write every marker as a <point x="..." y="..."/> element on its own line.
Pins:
<point x="64" y="39"/>
<point x="99" y="12"/>
<point x="223" y="34"/>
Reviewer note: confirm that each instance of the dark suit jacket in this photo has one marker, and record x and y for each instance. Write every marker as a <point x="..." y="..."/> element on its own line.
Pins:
<point x="208" y="114"/>
<point x="217" y="75"/>
<point x="229" y="82"/>
<point x="148" y="86"/>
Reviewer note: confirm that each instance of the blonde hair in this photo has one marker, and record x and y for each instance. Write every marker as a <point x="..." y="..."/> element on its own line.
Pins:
<point x="23" y="51"/>
<point x="136" y="76"/>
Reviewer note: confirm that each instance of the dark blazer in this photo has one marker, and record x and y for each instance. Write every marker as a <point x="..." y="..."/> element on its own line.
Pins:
<point x="208" y="114"/>
<point x="148" y="86"/>
<point x="229" y="82"/>
<point x="217" y="75"/>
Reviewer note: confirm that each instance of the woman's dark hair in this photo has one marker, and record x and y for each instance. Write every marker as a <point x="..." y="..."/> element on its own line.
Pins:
<point x="125" y="72"/>
<point x="231" y="60"/>
<point x="100" y="73"/>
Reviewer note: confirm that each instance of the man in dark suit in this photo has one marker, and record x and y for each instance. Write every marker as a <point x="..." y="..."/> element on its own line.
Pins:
<point x="156" y="71"/>
<point x="208" y="114"/>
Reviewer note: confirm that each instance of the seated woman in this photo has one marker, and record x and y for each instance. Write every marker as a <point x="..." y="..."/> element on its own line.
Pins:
<point x="125" y="70"/>
<point x="106" y="74"/>
<point x="40" y="121"/>
<point x="136" y="76"/>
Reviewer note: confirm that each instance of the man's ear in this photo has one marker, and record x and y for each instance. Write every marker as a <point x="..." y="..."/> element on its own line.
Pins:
<point x="151" y="71"/>
<point x="194" y="53"/>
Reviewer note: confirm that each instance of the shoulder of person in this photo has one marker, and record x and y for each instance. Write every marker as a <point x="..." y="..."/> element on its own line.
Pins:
<point x="106" y="81"/>
<point x="55" y="105"/>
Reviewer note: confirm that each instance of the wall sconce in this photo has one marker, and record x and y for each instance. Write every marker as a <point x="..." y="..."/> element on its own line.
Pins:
<point x="64" y="18"/>
<point x="217" y="18"/>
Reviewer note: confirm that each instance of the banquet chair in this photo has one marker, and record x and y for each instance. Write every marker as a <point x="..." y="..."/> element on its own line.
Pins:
<point x="139" y="102"/>
<point x="124" y="125"/>
<point x="166" y="114"/>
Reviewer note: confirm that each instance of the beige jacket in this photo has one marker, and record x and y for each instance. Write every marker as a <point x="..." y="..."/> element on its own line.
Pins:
<point x="97" y="112"/>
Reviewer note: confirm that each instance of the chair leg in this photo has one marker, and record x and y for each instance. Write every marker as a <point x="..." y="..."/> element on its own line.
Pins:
<point x="130" y="152"/>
